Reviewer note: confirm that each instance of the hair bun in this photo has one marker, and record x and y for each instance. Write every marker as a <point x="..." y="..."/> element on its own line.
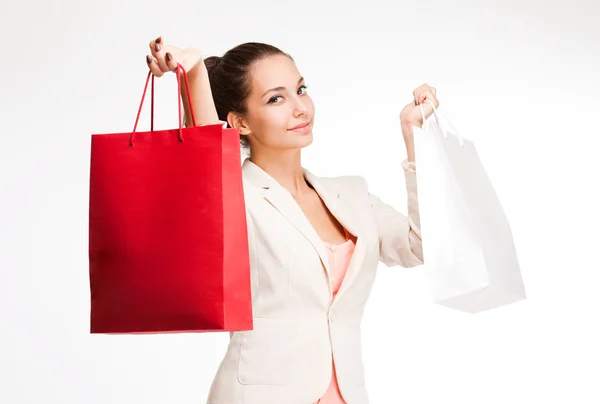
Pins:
<point x="212" y="61"/>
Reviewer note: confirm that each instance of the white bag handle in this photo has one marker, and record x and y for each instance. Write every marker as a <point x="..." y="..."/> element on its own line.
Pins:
<point x="438" y="114"/>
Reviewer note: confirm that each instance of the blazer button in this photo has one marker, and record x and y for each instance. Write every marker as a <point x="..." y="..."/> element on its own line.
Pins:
<point x="332" y="316"/>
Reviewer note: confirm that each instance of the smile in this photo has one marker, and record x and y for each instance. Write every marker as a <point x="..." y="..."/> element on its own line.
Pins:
<point x="302" y="129"/>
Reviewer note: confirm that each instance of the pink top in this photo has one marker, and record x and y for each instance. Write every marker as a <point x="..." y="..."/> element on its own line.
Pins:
<point x="339" y="258"/>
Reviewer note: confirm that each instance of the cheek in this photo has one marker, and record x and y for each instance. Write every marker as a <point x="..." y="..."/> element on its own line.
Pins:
<point x="272" y="126"/>
<point x="276" y="119"/>
<point x="280" y="119"/>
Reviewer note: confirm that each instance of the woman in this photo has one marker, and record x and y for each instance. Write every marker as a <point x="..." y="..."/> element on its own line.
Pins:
<point x="314" y="242"/>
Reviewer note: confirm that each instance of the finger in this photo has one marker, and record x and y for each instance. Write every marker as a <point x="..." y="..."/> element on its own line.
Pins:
<point x="429" y="96"/>
<point x="426" y="87"/>
<point x="153" y="66"/>
<point x="419" y="97"/>
<point x="156" y="47"/>
<point x="153" y="44"/>
<point x="171" y="62"/>
<point x="432" y="96"/>
<point x="419" y="92"/>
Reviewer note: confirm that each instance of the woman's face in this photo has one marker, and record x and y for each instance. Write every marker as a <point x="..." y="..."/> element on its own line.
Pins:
<point x="277" y="102"/>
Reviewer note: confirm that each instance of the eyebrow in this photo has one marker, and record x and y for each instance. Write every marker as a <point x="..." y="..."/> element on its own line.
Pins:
<point x="280" y="88"/>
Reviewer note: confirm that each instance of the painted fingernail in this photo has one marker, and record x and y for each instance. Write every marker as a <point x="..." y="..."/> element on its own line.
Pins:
<point x="168" y="56"/>
<point x="148" y="59"/>
<point x="157" y="47"/>
<point x="158" y="39"/>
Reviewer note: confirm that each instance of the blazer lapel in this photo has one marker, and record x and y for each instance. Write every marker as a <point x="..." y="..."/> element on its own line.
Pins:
<point x="283" y="201"/>
<point x="331" y="196"/>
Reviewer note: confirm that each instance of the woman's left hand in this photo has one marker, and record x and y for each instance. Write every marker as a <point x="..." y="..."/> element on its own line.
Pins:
<point x="411" y="113"/>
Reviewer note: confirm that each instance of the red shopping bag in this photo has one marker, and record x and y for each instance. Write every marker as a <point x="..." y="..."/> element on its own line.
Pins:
<point x="168" y="244"/>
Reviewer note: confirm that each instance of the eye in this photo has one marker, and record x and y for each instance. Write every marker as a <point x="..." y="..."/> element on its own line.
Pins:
<point x="274" y="98"/>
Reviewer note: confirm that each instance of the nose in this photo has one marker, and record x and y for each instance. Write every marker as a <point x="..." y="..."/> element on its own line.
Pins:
<point x="301" y="108"/>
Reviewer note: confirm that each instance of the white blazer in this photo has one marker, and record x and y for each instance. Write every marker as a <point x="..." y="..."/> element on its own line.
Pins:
<point x="286" y="358"/>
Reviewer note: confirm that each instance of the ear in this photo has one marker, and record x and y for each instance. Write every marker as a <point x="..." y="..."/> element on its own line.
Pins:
<point x="237" y="121"/>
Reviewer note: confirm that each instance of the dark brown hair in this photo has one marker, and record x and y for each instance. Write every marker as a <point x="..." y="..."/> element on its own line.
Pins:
<point x="230" y="80"/>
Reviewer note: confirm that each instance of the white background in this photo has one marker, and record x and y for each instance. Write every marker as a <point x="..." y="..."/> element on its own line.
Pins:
<point x="517" y="77"/>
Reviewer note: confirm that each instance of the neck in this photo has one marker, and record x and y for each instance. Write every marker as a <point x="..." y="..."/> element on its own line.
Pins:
<point x="286" y="168"/>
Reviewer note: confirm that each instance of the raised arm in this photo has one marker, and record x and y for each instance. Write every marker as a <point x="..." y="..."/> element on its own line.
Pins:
<point x="201" y="95"/>
<point x="399" y="235"/>
<point x="165" y="58"/>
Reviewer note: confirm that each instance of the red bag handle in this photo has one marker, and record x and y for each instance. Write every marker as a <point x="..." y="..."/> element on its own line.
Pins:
<point x="187" y="87"/>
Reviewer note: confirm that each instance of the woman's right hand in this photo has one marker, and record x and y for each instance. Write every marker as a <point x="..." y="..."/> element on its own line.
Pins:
<point x="165" y="57"/>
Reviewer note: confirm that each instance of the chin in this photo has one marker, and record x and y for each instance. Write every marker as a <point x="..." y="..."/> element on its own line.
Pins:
<point x="306" y="140"/>
<point x="301" y="141"/>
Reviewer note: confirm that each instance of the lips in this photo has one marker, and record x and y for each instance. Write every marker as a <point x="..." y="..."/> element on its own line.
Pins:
<point x="300" y="126"/>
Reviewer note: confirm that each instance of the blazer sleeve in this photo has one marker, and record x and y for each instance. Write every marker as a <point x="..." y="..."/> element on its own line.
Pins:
<point x="399" y="235"/>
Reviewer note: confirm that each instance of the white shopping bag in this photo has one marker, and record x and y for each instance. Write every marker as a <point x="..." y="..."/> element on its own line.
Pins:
<point x="468" y="249"/>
